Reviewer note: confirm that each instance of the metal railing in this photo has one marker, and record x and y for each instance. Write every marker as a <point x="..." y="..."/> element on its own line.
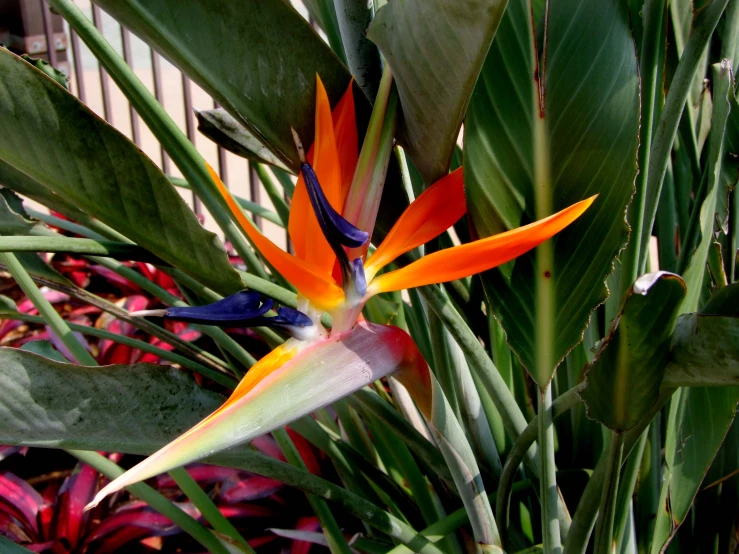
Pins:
<point x="95" y="88"/>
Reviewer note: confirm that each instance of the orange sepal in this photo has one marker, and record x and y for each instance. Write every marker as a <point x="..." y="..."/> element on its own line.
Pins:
<point x="320" y="290"/>
<point x="480" y="255"/>
<point x="305" y="232"/>
<point x="432" y="213"/>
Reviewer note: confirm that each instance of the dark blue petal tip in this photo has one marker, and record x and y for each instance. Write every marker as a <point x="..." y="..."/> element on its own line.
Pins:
<point x="237" y="309"/>
<point x="337" y="230"/>
<point x="244" y="309"/>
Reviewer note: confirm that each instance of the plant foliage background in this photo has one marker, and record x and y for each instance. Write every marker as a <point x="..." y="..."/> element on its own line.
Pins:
<point x="594" y="380"/>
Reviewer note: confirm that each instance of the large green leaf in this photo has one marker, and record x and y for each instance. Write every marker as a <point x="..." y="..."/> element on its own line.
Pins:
<point x="134" y="409"/>
<point x="623" y="382"/>
<point x="524" y="162"/>
<point x="435" y="49"/>
<point x="258" y="59"/>
<point x="55" y="140"/>
<point x="700" y="417"/>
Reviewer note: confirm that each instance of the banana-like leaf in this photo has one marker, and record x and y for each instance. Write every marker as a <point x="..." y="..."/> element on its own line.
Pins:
<point x="623" y="382"/>
<point x="435" y="49"/>
<point x="705" y="352"/>
<point x="223" y="129"/>
<point x="133" y="409"/>
<point x="55" y="140"/>
<point x="258" y="59"/>
<point x="699" y="419"/>
<point x="541" y="133"/>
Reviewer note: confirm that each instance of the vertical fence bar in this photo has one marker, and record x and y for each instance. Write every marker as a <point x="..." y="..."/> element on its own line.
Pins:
<point x="254" y="195"/>
<point x="49" y="33"/>
<point x="104" y="84"/>
<point x="79" y="75"/>
<point x="128" y="58"/>
<point x="156" y="71"/>
<point x="190" y="130"/>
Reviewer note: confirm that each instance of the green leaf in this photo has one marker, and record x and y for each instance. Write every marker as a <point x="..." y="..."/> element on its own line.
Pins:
<point x="223" y="129"/>
<point x="23" y="184"/>
<point x="700" y="230"/>
<point x="699" y="419"/>
<point x="52" y="404"/>
<point x="46" y="349"/>
<point x="259" y="60"/>
<point x="705" y="352"/>
<point x="50" y="70"/>
<point x="623" y="382"/>
<point x="57" y="141"/>
<point x="435" y="49"/>
<point x="523" y="163"/>
<point x="13" y="218"/>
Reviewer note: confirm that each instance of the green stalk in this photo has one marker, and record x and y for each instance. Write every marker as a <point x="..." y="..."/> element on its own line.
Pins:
<point x="65" y="224"/>
<point x="275" y="196"/>
<point x="626" y="489"/>
<point x="331" y="530"/>
<point x="704" y="23"/>
<point x="548" y="483"/>
<point x="561" y="405"/>
<point x="182" y="152"/>
<point x="216" y="376"/>
<point x="604" y="542"/>
<point x="363" y="199"/>
<point x="50" y="316"/>
<point x="653" y="14"/>
<point x="586" y="513"/>
<point x="454" y="521"/>
<point x="156" y="500"/>
<point x="106" y="248"/>
<point x="207" y="508"/>
<point x="482" y="366"/>
<point x="248" y="205"/>
<point x="365" y="400"/>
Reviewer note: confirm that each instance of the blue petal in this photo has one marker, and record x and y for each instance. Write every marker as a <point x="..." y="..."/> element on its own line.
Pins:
<point x="290" y="316"/>
<point x="336" y="229"/>
<point x="238" y="309"/>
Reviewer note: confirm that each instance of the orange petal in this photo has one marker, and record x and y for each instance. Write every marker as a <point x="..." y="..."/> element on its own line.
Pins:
<point x="480" y="255"/>
<point x="345" y="130"/>
<point x="320" y="290"/>
<point x="306" y="234"/>
<point x="432" y="213"/>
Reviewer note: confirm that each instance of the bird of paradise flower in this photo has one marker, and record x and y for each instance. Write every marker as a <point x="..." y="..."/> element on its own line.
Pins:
<point x="333" y="272"/>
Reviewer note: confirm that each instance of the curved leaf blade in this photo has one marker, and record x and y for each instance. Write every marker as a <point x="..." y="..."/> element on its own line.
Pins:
<point x="623" y="382"/>
<point x="523" y="162"/>
<point x="435" y="49"/>
<point x="54" y="139"/>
